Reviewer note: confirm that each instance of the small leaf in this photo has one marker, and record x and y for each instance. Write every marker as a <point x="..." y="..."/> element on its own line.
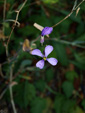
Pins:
<point x="26" y="63"/>
<point x="82" y="37"/>
<point x="49" y="105"/>
<point x="77" y="110"/>
<point x="71" y="75"/>
<point x="68" y="88"/>
<point x="40" y="85"/>
<point x="83" y="104"/>
<point x="61" y="53"/>
<point x="31" y="30"/>
<point x="68" y="106"/>
<point x="58" y="103"/>
<point x="25" y="77"/>
<point x="29" y="93"/>
<point x="25" y="93"/>
<point x="50" y="1"/>
<point x="38" y="105"/>
<point x="49" y="75"/>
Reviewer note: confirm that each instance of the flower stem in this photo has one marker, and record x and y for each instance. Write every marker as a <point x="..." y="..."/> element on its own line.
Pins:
<point x="69" y="13"/>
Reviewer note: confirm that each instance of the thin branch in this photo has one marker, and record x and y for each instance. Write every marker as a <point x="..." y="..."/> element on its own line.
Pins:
<point x="4" y="11"/>
<point x="10" y="89"/>
<point x="2" y="94"/>
<point x="6" y="47"/>
<point x="66" y="42"/>
<point x="10" y="34"/>
<point x="1" y="73"/>
<point x="77" y="44"/>
<point x="69" y="13"/>
<point x="11" y="20"/>
<point x="18" y="11"/>
<point x="12" y="58"/>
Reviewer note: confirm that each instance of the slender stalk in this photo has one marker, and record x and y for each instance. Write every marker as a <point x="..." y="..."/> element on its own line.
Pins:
<point x="69" y="13"/>
<point x="11" y="20"/>
<point x="11" y="91"/>
<point x="4" y="11"/>
<point x="66" y="42"/>
<point x="13" y="27"/>
<point x="1" y="73"/>
<point x="2" y="94"/>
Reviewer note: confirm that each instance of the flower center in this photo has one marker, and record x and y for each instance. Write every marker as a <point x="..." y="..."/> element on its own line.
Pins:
<point x="44" y="58"/>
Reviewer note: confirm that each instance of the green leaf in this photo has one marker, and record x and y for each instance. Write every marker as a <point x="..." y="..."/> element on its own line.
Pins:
<point x="25" y="77"/>
<point x="40" y="85"/>
<point x="10" y="1"/>
<point x="29" y="93"/>
<point x="49" y="105"/>
<point x="80" y="31"/>
<point x="83" y="104"/>
<point x="49" y="75"/>
<point x="19" y="89"/>
<point x="50" y="1"/>
<point x="27" y="30"/>
<point x="71" y="75"/>
<point x="26" y="63"/>
<point x="68" y="88"/>
<point x="58" y="103"/>
<point x="68" y="106"/>
<point x="65" y="26"/>
<point x="79" y="65"/>
<point x="79" y="60"/>
<point x="2" y="48"/>
<point x="77" y="110"/>
<point x="80" y="57"/>
<point x="61" y="53"/>
<point x="38" y="105"/>
<point x="25" y="93"/>
<point x="50" y="90"/>
<point x="42" y="20"/>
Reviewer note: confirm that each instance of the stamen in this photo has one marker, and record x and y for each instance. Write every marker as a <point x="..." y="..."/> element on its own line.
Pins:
<point x="44" y="58"/>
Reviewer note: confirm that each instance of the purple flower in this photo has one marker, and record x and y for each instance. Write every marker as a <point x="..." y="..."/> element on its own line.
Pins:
<point x="45" y="31"/>
<point x="48" y="50"/>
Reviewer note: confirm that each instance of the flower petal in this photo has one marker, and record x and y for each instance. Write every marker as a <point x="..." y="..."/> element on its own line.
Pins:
<point x="40" y="64"/>
<point x="37" y="52"/>
<point x="46" y="31"/>
<point x="52" y="61"/>
<point x="48" y="50"/>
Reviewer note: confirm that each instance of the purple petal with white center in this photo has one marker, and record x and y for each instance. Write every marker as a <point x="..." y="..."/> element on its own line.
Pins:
<point x="40" y="64"/>
<point x="48" y="50"/>
<point x="52" y="61"/>
<point x="46" y="31"/>
<point x="37" y="52"/>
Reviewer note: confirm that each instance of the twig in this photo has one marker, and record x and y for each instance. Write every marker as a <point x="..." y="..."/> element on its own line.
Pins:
<point x="10" y="34"/>
<point x="10" y="89"/>
<point x="66" y="42"/>
<point x="1" y="73"/>
<point x="35" y="39"/>
<point x="6" y="47"/>
<point x="2" y="94"/>
<point x="4" y="11"/>
<point x="18" y="11"/>
<point x="69" y="13"/>
<point x="11" y="20"/>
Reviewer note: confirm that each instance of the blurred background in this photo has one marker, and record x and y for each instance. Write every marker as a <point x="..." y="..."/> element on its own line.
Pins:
<point x="58" y="89"/>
